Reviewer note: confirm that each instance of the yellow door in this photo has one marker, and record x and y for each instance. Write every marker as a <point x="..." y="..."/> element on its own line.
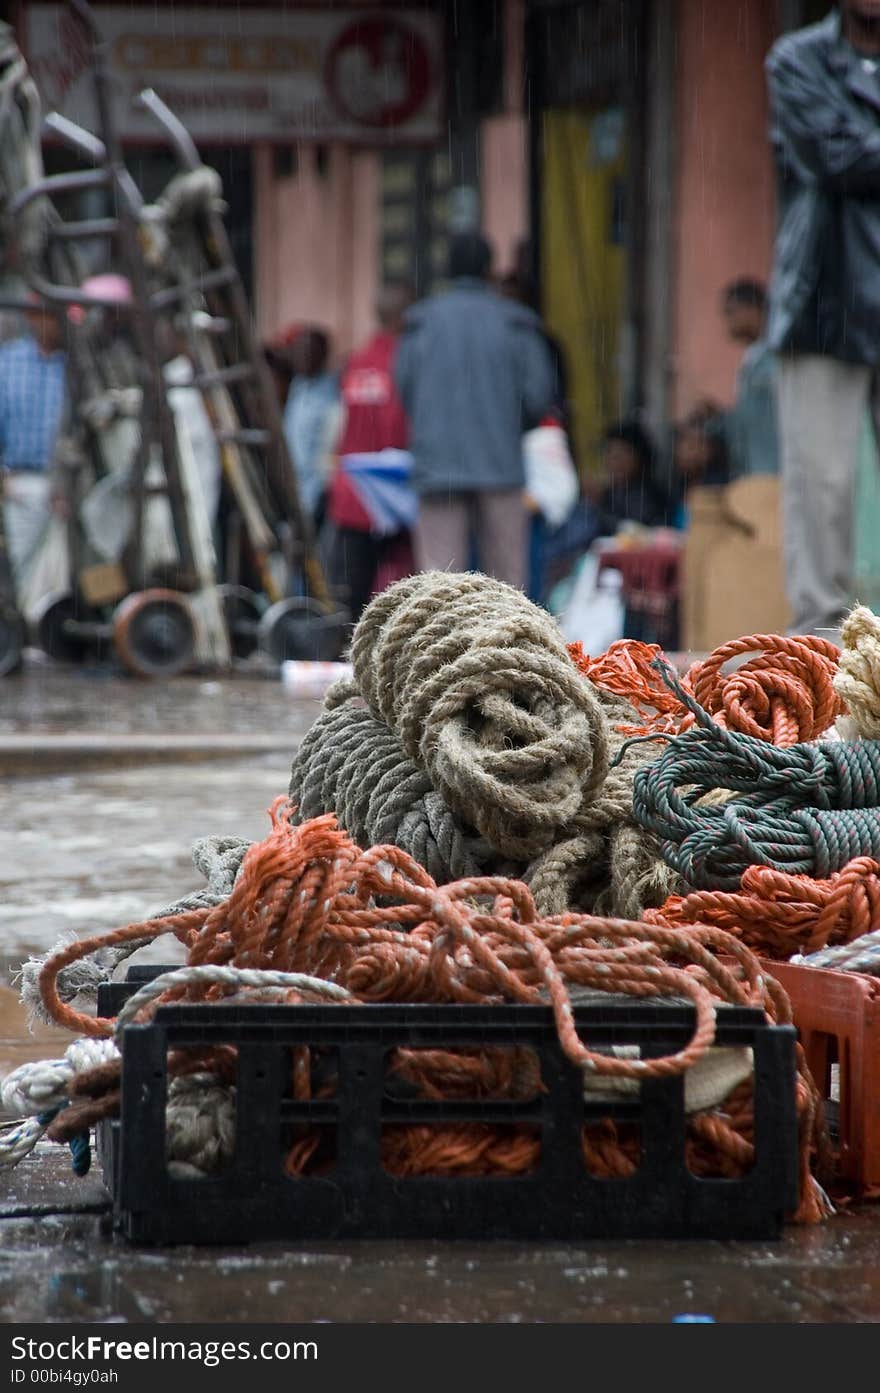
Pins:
<point x="584" y="262"/>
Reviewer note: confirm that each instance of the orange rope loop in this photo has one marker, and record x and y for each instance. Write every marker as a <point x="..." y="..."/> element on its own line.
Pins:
<point x="784" y="694"/>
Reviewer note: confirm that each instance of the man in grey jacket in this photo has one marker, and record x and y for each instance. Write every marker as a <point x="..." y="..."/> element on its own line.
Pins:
<point x="473" y="373"/>
<point x="824" y="86"/>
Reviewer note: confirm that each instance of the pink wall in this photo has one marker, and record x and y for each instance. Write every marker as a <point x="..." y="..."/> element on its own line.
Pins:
<point x="504" y="178"/>
<point x="504" y="151"/>
<point x="316" y="248"/>
<point x="725" y="213"/>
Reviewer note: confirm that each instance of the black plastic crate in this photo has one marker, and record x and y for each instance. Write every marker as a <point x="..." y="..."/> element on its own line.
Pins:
<point x="253" y="1199"/>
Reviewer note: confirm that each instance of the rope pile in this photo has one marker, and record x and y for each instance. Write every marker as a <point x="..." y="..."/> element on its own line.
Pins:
<point x="785" y="694"/>
<point x="468" y="739"/>
<point x="781" y="915"/>
<point x="807" y="809"/>
<point x="375" y="926"/>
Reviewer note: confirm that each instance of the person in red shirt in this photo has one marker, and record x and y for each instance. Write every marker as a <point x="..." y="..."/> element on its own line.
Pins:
<point x="360" y="562"/>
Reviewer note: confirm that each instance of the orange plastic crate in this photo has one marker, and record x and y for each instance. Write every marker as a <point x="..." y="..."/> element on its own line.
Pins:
<point x="838" y="1019"/>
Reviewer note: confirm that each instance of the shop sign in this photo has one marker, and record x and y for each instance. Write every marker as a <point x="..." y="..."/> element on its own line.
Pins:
<point x="241" y="75"/>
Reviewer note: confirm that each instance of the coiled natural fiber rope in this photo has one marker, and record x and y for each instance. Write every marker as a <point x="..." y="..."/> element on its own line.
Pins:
<point x="477" y="683"/>
<point x="780" y="915"/>
<point x="806" y="810"/>
<point x="350" y="764"/>
<point x="784" y="694"/>
<point x="307" y="900"/>
<point x="607" y="864"/>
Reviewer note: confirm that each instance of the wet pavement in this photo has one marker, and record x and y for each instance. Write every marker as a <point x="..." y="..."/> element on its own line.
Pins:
<point x="90" y="849"/>
<point x="60" y="1262"/>
<point x="45" y="699"/>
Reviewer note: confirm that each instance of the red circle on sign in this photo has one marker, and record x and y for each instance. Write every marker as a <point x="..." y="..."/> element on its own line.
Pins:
<point x="378" y="71"/>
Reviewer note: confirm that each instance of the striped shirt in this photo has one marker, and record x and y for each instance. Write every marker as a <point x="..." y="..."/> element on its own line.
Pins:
<point x="31" y="403"/>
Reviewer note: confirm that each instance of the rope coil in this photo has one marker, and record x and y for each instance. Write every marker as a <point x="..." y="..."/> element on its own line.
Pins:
<point x="479" y="688"/>
<point x="806" y="809"/>
<point x="350" y="764"/>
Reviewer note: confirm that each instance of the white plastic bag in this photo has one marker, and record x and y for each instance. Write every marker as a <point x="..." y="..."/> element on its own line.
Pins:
<point x="551" y="478"/>
<point x="594" y="615"/>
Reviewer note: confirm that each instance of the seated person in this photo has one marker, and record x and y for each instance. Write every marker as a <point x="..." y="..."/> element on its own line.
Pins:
<point x="700" y="456"/>
<point x="628" y="489"/>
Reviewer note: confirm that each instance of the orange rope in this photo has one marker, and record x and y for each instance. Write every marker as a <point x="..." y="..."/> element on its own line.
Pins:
<point x="783" y="694"/>
<point x="307" y="899"/>
<point x="779" y="915"/>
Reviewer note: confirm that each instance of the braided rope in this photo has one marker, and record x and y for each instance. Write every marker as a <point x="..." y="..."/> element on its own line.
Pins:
<point x="37" y="1091"/>
<point x="305" y="901"/>
<point x="349" y="763"/>
<point x="477" y="683"/>
<point x="862" y="955"/>
<point x="807" y="809"/>
<point x="41" y="1085"/>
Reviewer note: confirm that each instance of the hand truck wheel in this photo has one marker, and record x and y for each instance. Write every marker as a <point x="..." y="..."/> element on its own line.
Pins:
<point x="301" y="628"/>
<point x="154" y="634"/>
<point x="55" y="627"/>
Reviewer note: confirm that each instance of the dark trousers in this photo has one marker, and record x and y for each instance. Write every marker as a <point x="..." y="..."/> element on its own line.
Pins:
<point x="352" y="563"/>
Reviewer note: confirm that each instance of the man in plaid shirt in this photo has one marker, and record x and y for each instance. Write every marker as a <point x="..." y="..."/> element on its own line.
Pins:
<point x="32" y="388"/>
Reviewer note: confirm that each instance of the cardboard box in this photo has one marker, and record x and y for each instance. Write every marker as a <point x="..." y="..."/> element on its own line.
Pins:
<point x="732" y="571"/>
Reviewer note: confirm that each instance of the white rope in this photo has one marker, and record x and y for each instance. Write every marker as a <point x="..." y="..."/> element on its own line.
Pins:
<point x="37" y="1090"/>
<point x="235" y="977"/>
<point x="37" y="1087"/>
<point x="19" y="1141"/>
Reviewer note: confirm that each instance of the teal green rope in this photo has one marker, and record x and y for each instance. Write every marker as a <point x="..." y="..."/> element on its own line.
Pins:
<point x="80" y="1145"/>
<point x="806" y="810"/>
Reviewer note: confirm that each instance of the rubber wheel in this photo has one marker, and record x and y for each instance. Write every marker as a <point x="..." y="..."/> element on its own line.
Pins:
<point x="11" y="638"/>
<point x="243" y="613"/>
<point x="54" y="629"/>
<point x="300" y="628"/>
<point x="154" y="634"/>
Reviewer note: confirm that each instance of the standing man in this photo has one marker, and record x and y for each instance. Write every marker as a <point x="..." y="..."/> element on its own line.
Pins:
<point x="32" y="388"/>
<point x="473" y="373"/>
<point x="824" y="86"/>
<point x="374" y="420"/>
